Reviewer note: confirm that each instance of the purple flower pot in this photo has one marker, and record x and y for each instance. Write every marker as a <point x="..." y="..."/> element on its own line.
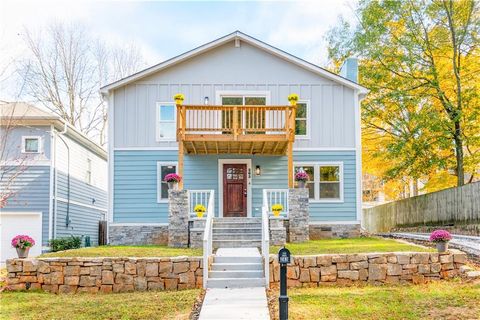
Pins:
<point x="172" y="185"/>
<point x="301" y="184"/>
<point x="22" y="252"/>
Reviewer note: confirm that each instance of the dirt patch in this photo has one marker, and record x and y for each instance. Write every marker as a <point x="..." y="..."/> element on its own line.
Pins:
<point x="272" y="299"/>
<point x="453" y="313"/>
<point x="197" y="306"/>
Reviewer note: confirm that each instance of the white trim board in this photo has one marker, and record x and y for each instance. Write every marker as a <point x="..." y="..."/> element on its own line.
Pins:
<point x="349" y="222"/>
<point x="237" y="35"/>
<point x="76" y="203"/>
<point x="221" y="162"/>
<point x="137" y="224"/>
<point x="176" y="149"/>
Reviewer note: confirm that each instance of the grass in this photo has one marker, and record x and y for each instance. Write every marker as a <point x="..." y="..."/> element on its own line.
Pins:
<point x="126" y="251"/>
<point x="438" y="300"/>
<point x="353" y="245"/>
<point x="136" y="305"/>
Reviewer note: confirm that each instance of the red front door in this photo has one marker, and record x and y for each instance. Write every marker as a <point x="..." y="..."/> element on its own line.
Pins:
<point x="234" y="190"/>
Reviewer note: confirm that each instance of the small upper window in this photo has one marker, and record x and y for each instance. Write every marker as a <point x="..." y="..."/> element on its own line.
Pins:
<point x="88" y="173"/>
<point x="301" y="119"/>
<point x="31" y="144"/>
<point x="166" y="125"/>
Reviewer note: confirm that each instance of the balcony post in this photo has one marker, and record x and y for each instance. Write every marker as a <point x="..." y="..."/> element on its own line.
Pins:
<point x="235" y="123"/>
<point x="180" y="163"/>
<point x="290" y="164"/>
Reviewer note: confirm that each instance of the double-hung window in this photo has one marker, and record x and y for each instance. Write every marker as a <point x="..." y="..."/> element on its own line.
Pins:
<point x="301" y="119"/>
<point x="166" y="121"/>
<point x="326" y="180"/>
<point x="31" y="144"/>
<point x="164" y="168"/>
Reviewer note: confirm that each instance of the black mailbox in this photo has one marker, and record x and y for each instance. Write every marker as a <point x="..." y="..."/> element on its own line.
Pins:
<point x="283" y="259"/>
<point x="284" y="256"/>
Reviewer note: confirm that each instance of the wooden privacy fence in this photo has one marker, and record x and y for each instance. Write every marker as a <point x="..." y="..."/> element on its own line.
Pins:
<point x="451" y="206"/>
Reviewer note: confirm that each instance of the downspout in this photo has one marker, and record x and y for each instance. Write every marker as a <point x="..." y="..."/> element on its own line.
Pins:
<point x="67" y="219"/>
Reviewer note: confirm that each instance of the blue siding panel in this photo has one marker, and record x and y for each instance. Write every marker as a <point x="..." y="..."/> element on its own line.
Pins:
<point x="33" y="187"/>
<point x="135" y="182"/>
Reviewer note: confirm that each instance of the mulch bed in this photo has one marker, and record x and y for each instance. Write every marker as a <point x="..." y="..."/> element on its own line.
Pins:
<point x="272" y="299"/>
<point x="197" y="306"/>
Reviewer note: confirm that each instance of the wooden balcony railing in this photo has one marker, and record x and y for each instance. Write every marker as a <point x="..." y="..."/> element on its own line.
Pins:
<point x="235" y="129"/>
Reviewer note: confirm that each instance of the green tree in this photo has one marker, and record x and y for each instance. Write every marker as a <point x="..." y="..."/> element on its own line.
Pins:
<point x="420" y="59"/>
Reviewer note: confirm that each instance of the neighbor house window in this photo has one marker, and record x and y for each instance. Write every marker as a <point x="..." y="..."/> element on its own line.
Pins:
<point x="166" y="117"/>
<point x="164" y="168"/>
<point x="88" y="173"/>
<point x="301" y="119"/>
<point x="31" y="144"/>
<point x="325" y="182"/>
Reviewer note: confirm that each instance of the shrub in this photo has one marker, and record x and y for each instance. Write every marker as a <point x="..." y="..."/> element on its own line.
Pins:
<point x="67" y="243"/>
<point x="440" y="236"/>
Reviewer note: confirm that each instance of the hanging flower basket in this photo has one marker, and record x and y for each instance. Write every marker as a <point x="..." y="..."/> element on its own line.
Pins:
<point x="293" y="99"/>
<point x="22" y="243"/>
<point x="441" y="239"/>
<point x="301" y="177"/>
<point x="179" y="98"/>
<point x="200" y="210"/>
<point x="276" y="209"/>
<point x="172" y="179"/>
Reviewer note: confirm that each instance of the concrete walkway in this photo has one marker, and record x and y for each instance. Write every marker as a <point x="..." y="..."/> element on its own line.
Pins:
<point x="236" y="303"/>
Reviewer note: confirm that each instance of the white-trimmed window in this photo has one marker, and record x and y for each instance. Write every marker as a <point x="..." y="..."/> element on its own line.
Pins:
<point x="31" y="144"/>
<point x="166" y="121"/>
<point x="326" y="180"/>
<point x="88" y="173"/>
<point x="164" y="168"/>
<point x="302" y="126"/>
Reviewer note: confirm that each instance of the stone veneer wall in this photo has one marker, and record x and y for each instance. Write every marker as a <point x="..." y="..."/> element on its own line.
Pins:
<point x="345" y="269"/>
<point x="137" y="235"/>
<point x="70" y="275"/>
<point x="298" y="214"/>
<point x="329" y="231"/>
<point x="178" y="218"/>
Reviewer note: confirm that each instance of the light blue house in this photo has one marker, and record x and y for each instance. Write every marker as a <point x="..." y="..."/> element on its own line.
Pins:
<point x="233" y="136"/>
<point x="53" y="179"/>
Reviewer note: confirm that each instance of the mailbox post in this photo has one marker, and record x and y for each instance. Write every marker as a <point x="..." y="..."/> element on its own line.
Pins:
<point x="283" y="259"/>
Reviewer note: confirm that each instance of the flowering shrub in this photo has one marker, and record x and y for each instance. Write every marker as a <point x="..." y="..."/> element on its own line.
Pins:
<point x="179" y="97"/>
<point x="200" y="208"/>
<point x="277" y="207"/>
<point x="22" y="242"/>
<point x="301" y="176"/>
<point x="293" y="97"/>
<point x="172" y="177"/>
<point x="440" y="236"/>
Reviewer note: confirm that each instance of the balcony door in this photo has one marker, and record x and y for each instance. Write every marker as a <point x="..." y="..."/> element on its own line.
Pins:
<point x="248" y="120"/>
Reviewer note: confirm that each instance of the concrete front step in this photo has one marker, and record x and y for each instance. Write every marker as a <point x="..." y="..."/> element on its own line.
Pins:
<point x="229" y="266"/>
<point x="237" y="259"/>
<point x="237" y="243"/>
<point x="235" y="283"/>
<point x="236" y="230"/>
<point x="242" y="225"/>
<point x="236" y="274"/>
<point x="237" y="236"/>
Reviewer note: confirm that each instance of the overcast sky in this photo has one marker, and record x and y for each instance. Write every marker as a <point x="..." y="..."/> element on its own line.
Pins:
<point x="166" y="29"/>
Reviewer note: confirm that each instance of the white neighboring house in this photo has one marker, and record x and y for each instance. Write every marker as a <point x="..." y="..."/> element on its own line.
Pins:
<point x="53" y="177"/>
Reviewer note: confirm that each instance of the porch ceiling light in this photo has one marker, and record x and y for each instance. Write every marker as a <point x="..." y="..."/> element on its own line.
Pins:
<point x="205" y="101"/>
<point x="258" y="171"/>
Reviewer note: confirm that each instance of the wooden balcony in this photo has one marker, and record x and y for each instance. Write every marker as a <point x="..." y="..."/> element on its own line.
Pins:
<point x="261" y="130"/>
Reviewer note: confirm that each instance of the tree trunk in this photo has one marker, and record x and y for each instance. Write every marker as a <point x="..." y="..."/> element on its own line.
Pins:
<point x="459" y="153"/>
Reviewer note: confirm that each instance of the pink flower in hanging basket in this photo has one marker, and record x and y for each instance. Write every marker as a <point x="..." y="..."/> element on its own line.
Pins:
<point x="22" y="242"/>
<point x="301" y="176"/>
<point x="440" y="236"/>
<point x="172" y="177"/>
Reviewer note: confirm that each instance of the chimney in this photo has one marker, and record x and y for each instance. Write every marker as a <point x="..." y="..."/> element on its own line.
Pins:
<point x="349" y="69"/>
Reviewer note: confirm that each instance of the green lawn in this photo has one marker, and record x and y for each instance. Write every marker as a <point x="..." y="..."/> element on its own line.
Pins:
<point x="354" y="245"/>
<point x="440" y="300"/>
<point x="126" y="251"/>
<point x="136" y="305"/>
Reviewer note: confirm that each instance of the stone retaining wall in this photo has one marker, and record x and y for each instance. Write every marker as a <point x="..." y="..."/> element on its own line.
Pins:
<point x="345" y="269"/>
<point x="70" y="275"/>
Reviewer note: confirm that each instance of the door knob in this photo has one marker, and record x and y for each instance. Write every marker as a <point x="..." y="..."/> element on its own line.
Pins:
<point x="245" y="192"/>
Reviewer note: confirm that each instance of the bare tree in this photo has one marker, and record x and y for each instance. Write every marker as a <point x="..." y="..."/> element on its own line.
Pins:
<point x="65" y="69"/>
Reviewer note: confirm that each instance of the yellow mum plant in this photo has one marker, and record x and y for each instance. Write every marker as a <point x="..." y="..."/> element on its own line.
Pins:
<point x="179" y="98"/>
<point x="276" y="208"/>
<point x="293" y="98"/>
<point x="200" y="208"/>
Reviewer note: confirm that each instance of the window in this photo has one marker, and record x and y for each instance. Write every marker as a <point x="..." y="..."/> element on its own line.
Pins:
<point x="166" y="118"/>
<point x="88" y="173"/>
<point x="301" y="119"/>
<point x="164" y="168"/>
<point x="31" y="144"/>
<point x="325" y="182"/>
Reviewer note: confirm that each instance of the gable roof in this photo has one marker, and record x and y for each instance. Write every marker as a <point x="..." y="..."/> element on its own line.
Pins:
<point x="21" y="113"/>
<point x="229" y="37"/>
